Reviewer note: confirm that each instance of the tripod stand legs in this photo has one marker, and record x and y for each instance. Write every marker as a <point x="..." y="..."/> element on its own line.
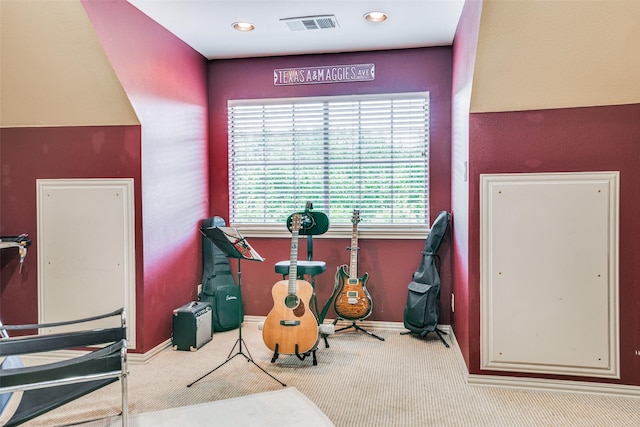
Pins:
<point x="238" y="344"/>
<point x="358" y="328"/>
<point x="221" y="239"/>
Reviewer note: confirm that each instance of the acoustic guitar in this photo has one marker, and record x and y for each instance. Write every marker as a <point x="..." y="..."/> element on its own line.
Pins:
<point x="352" y="301"/>
<point x="291" y="327"/>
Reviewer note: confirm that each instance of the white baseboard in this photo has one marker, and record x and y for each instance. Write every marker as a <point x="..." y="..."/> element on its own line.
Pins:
<point x="541" y="384"/>
<point x="142" y="358"/>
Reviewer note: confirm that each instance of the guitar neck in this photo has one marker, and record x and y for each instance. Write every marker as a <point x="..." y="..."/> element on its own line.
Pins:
<point x="293" y="263"/>
<point x="353" y="264"/>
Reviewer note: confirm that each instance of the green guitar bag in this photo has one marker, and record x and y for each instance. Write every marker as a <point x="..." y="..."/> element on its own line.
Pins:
<point x="218" y="284"/>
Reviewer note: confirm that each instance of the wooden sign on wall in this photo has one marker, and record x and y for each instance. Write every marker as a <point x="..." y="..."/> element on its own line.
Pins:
<point x="326" y="74"/>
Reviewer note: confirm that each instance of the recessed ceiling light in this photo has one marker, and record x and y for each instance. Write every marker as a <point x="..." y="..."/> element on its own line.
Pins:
<point x="243" y="26"/>
<point x="376" y="16"/>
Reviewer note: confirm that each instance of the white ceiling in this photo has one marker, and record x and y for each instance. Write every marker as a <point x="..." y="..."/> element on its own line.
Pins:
<point x="205" y="25"/>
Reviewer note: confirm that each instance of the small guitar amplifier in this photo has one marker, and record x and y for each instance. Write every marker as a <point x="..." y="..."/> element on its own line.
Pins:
<point x="192" y="326"/>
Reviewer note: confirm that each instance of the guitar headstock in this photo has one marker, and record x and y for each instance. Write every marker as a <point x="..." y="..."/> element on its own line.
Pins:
<point x="296" y="222"/>
<point x="355" y="218"/>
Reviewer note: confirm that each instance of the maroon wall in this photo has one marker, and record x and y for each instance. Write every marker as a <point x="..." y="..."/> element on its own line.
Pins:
<point x="27" y="154"/>
<point x="166" y="82"/>
<point x="390" y="263"/>
<point x="565" y="140"/>
<point x="167" y="156"/>
<point x="464" y="55"/>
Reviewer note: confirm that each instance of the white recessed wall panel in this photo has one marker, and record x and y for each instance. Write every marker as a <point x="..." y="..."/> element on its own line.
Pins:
<point x="549" y="264"/>
<point x="86" y="258"/>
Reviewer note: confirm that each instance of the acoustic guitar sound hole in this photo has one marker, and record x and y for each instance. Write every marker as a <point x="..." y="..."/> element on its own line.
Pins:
<point x="291" y="301"/>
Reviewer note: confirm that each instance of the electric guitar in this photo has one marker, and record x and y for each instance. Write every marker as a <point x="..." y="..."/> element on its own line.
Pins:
<point x="352" y="301"/>
<point x="291" y="327"/>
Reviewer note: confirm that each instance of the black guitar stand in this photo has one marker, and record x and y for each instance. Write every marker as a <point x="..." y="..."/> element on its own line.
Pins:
<point x="438" y="332"/>
<point x="298" y="355"/>
<point x="357" y="328"/>
<point x="234" y="245"/>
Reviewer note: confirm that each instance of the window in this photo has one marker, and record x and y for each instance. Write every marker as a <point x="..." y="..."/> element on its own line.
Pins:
<point x="340" y="153"/>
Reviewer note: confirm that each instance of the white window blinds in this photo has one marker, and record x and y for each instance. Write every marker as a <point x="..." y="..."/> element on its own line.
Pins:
<point x="340" y="153"/>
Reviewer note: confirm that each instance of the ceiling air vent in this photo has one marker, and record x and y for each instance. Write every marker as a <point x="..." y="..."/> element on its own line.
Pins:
<point x="311" y="23"/>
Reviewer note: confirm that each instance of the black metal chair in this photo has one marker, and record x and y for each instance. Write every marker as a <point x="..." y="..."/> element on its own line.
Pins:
<point x="50" y="385"/>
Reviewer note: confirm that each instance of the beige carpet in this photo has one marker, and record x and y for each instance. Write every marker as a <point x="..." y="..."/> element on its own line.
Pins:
<point x="359" y="381"/>
<point x="282" y="408"/>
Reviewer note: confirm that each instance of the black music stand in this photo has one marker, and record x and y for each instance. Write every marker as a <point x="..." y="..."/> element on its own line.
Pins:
<point x="234" y="245"/>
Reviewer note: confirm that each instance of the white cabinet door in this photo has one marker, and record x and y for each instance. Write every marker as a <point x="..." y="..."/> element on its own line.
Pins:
<point x="549" y="273"/>
<point x="86" y="259"/>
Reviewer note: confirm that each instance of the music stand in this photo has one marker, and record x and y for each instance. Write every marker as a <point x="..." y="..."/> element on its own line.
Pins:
<point x="234" y="245"/>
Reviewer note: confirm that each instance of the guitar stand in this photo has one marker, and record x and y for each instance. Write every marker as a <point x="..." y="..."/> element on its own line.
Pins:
<point x="298" y="355"/>
<point x="438" y="332"/>
<point x="326" y="342"/>
<point x="358" y="328"/>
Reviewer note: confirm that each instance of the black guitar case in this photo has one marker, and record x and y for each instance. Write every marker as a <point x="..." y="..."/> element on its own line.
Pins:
<point x="218" y="285"/>
<point x="422" y="310"/>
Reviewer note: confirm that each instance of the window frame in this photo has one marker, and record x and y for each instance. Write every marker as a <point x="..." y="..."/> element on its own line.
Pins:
<point x="378" y="231"/>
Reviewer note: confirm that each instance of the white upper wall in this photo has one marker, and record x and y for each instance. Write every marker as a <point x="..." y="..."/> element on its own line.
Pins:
<point x="535" y="54"/>
<point x="53" y="69"/>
